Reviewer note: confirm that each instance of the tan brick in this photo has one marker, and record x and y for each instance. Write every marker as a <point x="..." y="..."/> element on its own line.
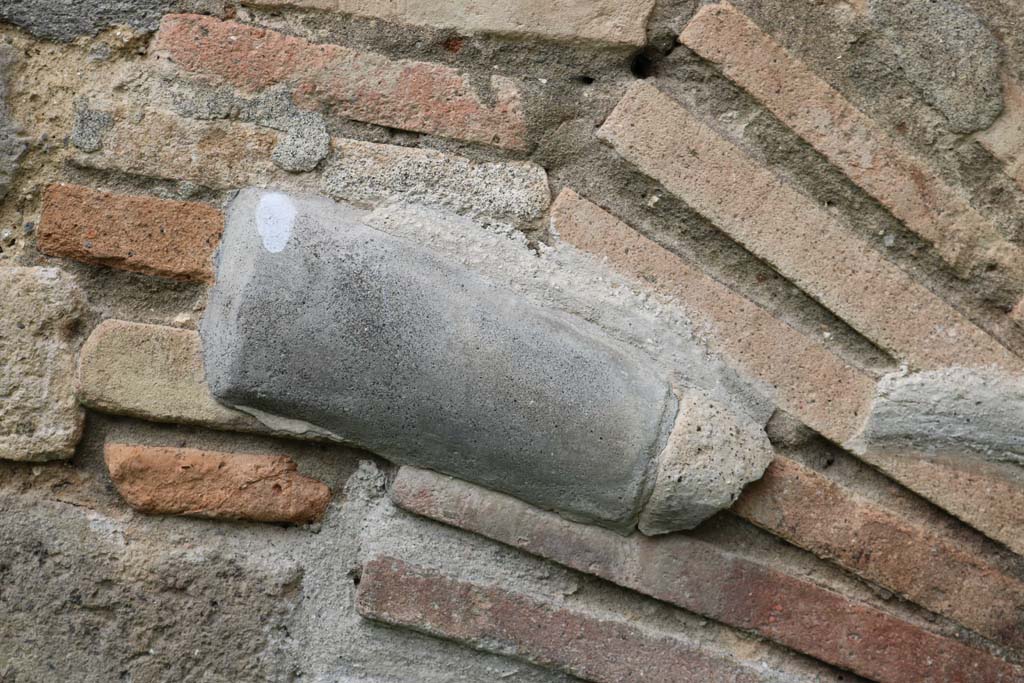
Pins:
<point x="912" y="560"/>
<point x="699" y="577"/>
<point x="227" y="155"/>
<point x="39" y="415"/>
<point x="141" y="234"/>
<point x="602" y="21"/>
<point x="880" y="164"/>
<point x="809" y="381"/>
<point x="796" y="236"/>
<point x="988" y="496"/>
<point x="196" y="483"/>
<point x="1004" y="139"/>
<point x="364" y="86"/>
<point x="602" y="647"/>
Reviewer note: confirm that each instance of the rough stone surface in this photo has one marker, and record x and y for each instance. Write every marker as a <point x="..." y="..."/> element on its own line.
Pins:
<point x="215" y="485"/>
<point x="806" y="379"/>
<point x="364" y="86"/>
<point x="438" y="367"/>
<point x="64" y="20"/>
<point x="90" y="126"/>
<point x="948" y="52"/>
<point x="709" y="457"/>
<point x="303" y="146"/>
<point x="226" y="155"/>
<point x="602" y="21"/>
<point x="920" y="563"/>
<point x="142" y="234"/>
<point x="953" y="411"/>
<point x="39" y="415"/>
<point x="700" y="577"/>
<point x="604" y="648"/>
<point x="12" y="147"/>
<point x="773" y="220"/>
<point x="873" y="159"/>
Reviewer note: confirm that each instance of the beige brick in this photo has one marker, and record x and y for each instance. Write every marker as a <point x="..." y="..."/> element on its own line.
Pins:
<point x="39" y="416"/>
<point x="1004" y="139"/>
<point x="142" y="234"/>
<point x="601" y="21"/>
<point x="364" y="86"/>
<point x="809" y="381"/>
<point x="922" y="564"/>
<point x="902" y="182"/>
<point x="227" y="155"/>
<point x="702" y="578"/>
<point x="215" y="485"/>
<point x="789" y="231"/>
<point x="604" y="647"/>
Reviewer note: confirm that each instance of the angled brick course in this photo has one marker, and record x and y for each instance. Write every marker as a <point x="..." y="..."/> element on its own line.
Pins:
<point x="699" y="577"/>
<point x="411" y="95"/>
<point x="142" y="234"/>
<point x="196" y="483"/>
<point x="910" y="559"/>
<point x="800" y="239"/>
<point x="605" y="648"/>
<point x="881" y="165"/>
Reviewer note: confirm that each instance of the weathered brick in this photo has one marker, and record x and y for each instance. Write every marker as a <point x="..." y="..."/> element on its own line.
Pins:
<point x="227" y="155"/>
<point x="810" y="382"/>
<point x="1004" y="139"/>
<point x="699" y="577"/>
<point x="196" y="483"/>
<point x="142" y="234"/>
<point x="912" y="560"/>
<point x="880" y="164"/>
<point x="988" y="496"/>
<point x="153" y="372"/>
<point x="796" y="236"/>
<point x="601" y="647"/>
<point x="39" y="416"/>
<point x="364" y="86"/>
<point x="602" y="21"/>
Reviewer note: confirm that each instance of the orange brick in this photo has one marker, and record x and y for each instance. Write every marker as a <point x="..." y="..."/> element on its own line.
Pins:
<point x="810" y="382"/>
<point x="796" y="236"/>
<point x="700" y="577"/>
<point x="418" y="96"/>
<point x="195" y="483"/>
<point x="916" y="562"/>
<point x="142" y="234"/>
<point x="881" y="165"/>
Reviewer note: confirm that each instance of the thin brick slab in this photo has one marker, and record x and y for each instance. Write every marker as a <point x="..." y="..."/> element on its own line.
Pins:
<point x="881" y="165"/>
<point x="196" y="483"/>
<point x="792" y="233"/>
<point x="364" y="86"/>
<point x="809" y="510"/>
<point x="601" y="21"/>
<point x="601" y="647"/>
<point x="809" y="380"/>
<point x="39" y="416"/>
<point x="225" y="155"/>
<point x="699" y="577"/>
<point x="141" y="234"/>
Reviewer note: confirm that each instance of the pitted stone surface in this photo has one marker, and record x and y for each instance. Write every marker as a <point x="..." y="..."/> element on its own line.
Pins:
<point x="39" y="415"/>
<point x="11" y="145"/>
<point x="385" y="344"/>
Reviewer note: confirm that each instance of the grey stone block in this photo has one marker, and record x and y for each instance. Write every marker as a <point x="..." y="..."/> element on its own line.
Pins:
<point x="316" y="318"/>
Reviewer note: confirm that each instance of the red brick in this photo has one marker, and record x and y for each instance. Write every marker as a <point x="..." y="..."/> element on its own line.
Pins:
<point x="880" y="164"/>
<point x="196" y="483"/>
<point x="365" y="86"/>
<point x="918" y="563"/>
<point x="810" y="382"/>
<point x="796" y="236"/>
<point x="699" y="577"/>
<point x="605" y="648"/>
<point x="141" y="234"/>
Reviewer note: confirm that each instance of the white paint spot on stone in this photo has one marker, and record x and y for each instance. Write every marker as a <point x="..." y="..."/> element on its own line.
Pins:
<point x="275" y="216"/>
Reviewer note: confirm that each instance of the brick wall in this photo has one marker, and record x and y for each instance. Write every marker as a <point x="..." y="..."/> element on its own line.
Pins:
<point x="782" y="206"/>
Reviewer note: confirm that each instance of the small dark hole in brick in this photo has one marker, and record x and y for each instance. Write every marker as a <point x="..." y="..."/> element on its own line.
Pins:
<point x="642" y="65"/>
<point x="585" y="80"/>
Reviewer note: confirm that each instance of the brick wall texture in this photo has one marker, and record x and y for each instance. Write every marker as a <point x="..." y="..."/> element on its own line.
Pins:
<point x="772" y="204"/>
